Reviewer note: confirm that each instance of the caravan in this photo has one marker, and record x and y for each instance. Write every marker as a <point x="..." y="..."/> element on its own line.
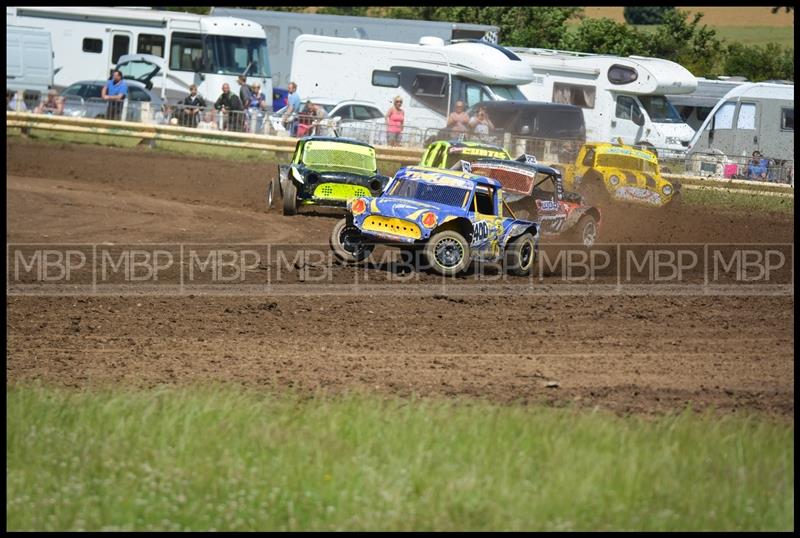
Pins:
<point x="694" y="107"/>
<point x="750" y="117"/>
<point x="621" y="97"/>
<point x="196" y="49"/>
<point x="29" y="60"/>
<point x="429" y="76"/>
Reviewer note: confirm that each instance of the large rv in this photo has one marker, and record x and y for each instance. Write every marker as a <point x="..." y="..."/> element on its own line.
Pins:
<point x="750" y="117"/>
<point x="202" y="50"/>
<point x="283" y="27"/>
<point x="430" y="76"/>
<point x="621" y="97"/>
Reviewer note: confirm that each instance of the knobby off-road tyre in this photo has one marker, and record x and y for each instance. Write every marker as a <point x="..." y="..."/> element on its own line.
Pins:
<point x="520" y="255"/>
<point x="585" y="232"/>
<point x="290" y="199"/>
<point x="347" y="243"/>
<point x="448" y="253"/>
<point x="273" y="191"/>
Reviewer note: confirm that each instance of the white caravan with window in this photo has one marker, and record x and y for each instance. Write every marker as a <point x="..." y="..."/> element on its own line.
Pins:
<point x="197" y="49"/>
<point x="429" y="76"/>
<point x="621" y="97"/>
<point x="750" y="117"/>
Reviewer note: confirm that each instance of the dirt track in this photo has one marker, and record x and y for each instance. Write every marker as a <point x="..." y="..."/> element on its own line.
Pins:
<point x="629" y="354"/>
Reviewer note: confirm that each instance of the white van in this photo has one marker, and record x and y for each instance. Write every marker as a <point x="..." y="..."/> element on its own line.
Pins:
<point x="750" y="117"/>
<point x="429" y="76"/>
<point x="29" y="60"/>
<point x="621" y="97"/>
<point x="196" y="49"/>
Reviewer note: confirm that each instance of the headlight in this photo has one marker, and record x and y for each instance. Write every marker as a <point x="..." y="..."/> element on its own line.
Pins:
<point x="667" y="190"/>
<point x="358" y="206"/>
<point x="429" y="220"/>
<point x="614" y="180"/>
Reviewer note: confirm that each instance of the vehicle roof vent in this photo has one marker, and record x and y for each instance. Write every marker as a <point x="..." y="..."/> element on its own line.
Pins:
<point x="431" y="41"/>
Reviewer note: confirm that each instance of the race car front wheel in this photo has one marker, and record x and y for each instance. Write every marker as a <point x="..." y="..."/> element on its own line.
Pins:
<point x="520" y="255"/>
<point x="348" y="244"/>
<point x="448" y="253"/>
<point x="273" y="190"/>
<point x="586" y="231"/>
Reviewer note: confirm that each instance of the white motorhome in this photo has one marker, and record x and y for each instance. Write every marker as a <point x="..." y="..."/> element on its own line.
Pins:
<point x="29" y="60"/>
<point x="430" y="76"/>
<point x="621" y="97"/>
<point x="202" y="50"/>
<point x="750" y="117"/>
<point x="283" y="27"/>
<point x="694" y="107"/>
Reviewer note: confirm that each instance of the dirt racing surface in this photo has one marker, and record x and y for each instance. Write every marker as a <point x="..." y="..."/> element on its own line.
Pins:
<point x="645" y="354"/>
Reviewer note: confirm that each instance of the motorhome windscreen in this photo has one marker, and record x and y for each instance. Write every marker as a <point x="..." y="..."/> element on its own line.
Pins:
<point x="660" y="109"/>
<point x="626" y="162"/>
<point x="507" y="92"/>
<point x="230" y="55"/>
<point x="423" y="191"/>
<point x="337" y="157"/>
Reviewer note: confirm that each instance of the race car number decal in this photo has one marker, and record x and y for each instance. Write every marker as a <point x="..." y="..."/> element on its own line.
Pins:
<point x="481" y="231"/>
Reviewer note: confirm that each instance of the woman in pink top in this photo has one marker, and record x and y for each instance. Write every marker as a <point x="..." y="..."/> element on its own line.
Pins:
<point x="394" y="122"/>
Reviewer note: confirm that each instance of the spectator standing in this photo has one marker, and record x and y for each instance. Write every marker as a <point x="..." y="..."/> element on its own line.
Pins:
<point x="115" y="92"/>
<point x="395" y="117"/>
<point x="193" y="106"/>
<point x="458" y="120"/>
<point x="481" y="124"/>
<point x="292" y="107"/>
<point x="231" y="108"/>
<point x="309" y="120"/>
<point x="256" y="107"/>
<point x="244" y="90"/>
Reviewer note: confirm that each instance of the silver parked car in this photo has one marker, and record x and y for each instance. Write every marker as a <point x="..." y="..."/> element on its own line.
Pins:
<point x="83" y="99"/>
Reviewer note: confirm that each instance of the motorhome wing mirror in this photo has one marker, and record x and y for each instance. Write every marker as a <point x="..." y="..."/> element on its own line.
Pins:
<point x="637" y="117"/>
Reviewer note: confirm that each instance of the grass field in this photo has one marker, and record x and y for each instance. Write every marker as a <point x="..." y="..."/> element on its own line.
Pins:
<point x="231" y="459"/>
<point x="739" y="200"/>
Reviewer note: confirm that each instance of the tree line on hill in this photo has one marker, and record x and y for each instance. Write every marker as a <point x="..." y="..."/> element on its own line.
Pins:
<point x="676" y="35"/>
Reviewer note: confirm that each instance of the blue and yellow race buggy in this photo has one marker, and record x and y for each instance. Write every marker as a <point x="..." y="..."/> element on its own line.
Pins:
<point x="326" y="172"/>
<point x="452" y="217"/>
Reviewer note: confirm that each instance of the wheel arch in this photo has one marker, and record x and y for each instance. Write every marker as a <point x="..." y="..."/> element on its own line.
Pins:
<point x="461" y="225"/>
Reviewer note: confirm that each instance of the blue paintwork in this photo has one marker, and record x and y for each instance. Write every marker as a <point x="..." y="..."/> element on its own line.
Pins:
<point x="489" y="233"/>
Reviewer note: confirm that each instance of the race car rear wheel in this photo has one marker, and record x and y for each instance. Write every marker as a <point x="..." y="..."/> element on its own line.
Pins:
<point x="520" y="255"/>
<point x="289" y="199"/>
<point x="273" y="190"/>
<point x="348" y="244"/>
<point x="448" y="253"/>
<point x="586" y="231"/>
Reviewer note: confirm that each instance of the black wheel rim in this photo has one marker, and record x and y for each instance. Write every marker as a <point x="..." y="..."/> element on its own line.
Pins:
<point x="350" y="239"/>
<point x="526" y="254"/>
<point x="448" y="253"/>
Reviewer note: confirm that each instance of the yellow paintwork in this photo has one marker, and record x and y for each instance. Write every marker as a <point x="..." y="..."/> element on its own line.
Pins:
<point x="339" y="191"/>
<point x="391" y="225"/>
<point x="621" y="190"/>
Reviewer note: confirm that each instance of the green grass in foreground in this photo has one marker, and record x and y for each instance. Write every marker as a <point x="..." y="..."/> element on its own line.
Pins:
<point x="227" y="458"/>
<point x="739" y="200"/>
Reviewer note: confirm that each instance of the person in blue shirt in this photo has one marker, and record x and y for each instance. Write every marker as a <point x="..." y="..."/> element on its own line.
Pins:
<point x="115" y="91"/>
<point x="293" y="107"/>
<point x="757" y="167"/>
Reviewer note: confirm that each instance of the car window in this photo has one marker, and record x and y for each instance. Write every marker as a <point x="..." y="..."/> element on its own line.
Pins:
<point x="138" y="94"/>
<point x="345" y="112"/>
<point x="73" y="90"/>
<point x="484" y="201"/>
<point x="361" y="112"/>
<point x="91" y="91"/>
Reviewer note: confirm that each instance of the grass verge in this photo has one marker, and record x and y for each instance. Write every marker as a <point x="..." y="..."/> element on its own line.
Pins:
<point x="749" y="201"/>
<point x="234" y="459"/>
